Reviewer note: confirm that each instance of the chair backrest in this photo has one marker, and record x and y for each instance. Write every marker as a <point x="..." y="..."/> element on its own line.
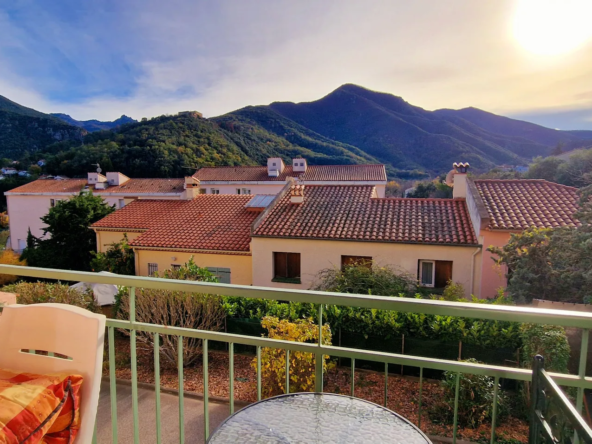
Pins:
<point x="63" y="329"/>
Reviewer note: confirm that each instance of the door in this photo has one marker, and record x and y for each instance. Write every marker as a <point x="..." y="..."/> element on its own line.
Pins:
<point x="223" y="274"/>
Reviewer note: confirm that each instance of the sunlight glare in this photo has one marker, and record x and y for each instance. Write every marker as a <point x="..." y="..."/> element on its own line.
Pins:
<point x="552" y="27"/>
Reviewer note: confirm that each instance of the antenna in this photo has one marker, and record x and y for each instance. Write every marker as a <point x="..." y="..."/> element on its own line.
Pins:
<point x="98" y="167"/>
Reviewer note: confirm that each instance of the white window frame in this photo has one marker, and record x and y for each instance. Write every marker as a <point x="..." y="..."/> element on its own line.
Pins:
<point x="421" y="262"/>
<point x="121" y="203"/>
<point x="214" y="190"/>
<point x="152" y="268"/>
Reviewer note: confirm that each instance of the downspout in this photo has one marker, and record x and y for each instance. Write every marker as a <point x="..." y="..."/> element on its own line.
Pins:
<point x="473" y="270"/>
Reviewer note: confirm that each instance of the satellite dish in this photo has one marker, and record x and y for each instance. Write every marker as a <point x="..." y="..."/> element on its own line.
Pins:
<point x="98" y="167"/>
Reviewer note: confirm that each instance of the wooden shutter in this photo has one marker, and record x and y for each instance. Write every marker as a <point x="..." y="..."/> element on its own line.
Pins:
<point x="280" y="265"/>
<point x="293" y="265"/>
<point x="443" y="273"/>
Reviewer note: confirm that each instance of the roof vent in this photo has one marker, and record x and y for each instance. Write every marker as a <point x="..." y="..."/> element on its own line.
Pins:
<point x="297" y="194"/>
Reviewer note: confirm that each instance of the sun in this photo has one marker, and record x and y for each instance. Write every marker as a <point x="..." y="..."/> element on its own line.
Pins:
<point x="552" y="27"/>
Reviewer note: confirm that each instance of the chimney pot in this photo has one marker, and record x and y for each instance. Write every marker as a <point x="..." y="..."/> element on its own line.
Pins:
<point x="461" y="167"/>
<point x="297" y="194"/>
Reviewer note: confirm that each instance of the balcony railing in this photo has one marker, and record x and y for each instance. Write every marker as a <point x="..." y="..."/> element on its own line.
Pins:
<point x="466" y="310"/>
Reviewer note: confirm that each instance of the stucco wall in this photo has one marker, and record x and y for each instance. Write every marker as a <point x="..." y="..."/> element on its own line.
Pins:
<point x="493" y="276"/>
<point x="106" y="238"/>
<point x="240" y="266"/>
<point x="255" y="189"/>
<point x="317" y="255"/>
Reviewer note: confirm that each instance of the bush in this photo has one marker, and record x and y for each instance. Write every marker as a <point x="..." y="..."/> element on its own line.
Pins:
<point x="119" y="258"/>
<point x="176" y="309"/>
<point x="475" y="400"/>
<point x="42" y="292"/>
<point x="9" y="257"/>
<point x="366" y="279"/>
<point x="453" y="292"/>
<point x="302" y="365"/>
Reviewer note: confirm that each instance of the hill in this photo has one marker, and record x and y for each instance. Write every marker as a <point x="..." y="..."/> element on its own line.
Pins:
<point x="24" y="129"/>
<point x="94" y="125"/>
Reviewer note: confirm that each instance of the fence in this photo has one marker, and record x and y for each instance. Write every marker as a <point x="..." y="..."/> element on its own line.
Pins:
<point x="431" y="307"/>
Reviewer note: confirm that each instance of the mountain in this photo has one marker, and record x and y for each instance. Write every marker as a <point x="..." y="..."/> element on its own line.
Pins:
<point x="407" y="137"/>
<point x="94" y="125"/>
<point x="24" y="129"/>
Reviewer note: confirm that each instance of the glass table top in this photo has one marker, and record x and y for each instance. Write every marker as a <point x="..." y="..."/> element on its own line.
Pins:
<point x="309" y="418"/>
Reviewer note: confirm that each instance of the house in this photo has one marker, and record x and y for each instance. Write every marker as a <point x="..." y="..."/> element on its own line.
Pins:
<point x="8" y="171"/>
<point x="28" y="203"/>
<point x="213" y="229"/>
<point x="272" y="178"/>
<point x="41" y="163"/>
<point x="315" y="227"/>
<point x="501" y="207"/>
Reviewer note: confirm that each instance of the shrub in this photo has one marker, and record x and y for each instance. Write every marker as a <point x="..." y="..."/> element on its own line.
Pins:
<point x="177" y="309"/>
<point x="365" y="279"/>
<point x="9" y="257"/>
<point x="453" y="292"/>
<point x="42" y="292"/>
<point x="119" y="258"/>
<point x="475" y="400"/>
<point x="549" y="341"/>
<point x="302" y="365"/>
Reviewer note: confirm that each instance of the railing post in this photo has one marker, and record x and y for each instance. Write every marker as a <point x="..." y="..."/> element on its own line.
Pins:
<point x="258" y="373"/>
<point x="319" y="355"/>
<point x="287" y="372"/>
<point x="455" y="422"/>
<point x="157" y="384"/>
<point x="231" y="375"/>
<point x="112" y="384"/>
<point x="206" y="391"/>
<point x="538" y="363"/>
<point x="494" y="413"/>
<point x="582" y="368"/>
<point x="134" y="364"/>
<point x="181" y="390"/>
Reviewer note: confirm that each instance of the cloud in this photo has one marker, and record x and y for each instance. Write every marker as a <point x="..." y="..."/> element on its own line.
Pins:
<point x="101" y="59"/>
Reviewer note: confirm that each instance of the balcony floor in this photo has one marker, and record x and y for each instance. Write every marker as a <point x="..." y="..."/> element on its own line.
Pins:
<point x="169" y="405"/>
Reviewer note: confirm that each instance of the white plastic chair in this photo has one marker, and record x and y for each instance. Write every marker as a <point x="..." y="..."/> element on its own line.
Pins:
<point x="58" y="328"/>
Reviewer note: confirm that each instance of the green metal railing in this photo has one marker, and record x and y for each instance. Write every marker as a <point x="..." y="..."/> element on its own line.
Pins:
<point x="467" y="310"/>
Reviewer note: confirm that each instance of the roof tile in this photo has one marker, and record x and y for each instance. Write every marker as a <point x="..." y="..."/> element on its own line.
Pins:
<point x="133" y="186"/>
<point x="518" y="204"/>
<point x="351" y="213"/>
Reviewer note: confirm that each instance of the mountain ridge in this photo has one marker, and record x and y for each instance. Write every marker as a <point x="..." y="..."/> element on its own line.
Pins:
<point x="94" y="125"/>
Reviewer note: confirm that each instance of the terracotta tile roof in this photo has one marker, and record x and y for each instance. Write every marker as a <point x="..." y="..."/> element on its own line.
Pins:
<point x="350" y="213"/>
<point x="140" y="214"/>
<point x="519" y="204"/>
<point x="208" y="222"/>
<point x="314" y="173"/>
<point x="73" y="186"/>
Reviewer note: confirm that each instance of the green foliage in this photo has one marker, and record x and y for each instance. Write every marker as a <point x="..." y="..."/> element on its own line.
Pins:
<point x="119" y="258"/>
<point x="453" y="292"/>
<point x="190" y="271"/>
<point x="433" y="189"/>
<point x="475" y="400"/>
<point x="67" y="241"/>
<point x="575" y="171"/>
<point x="549" y="264"/>
<point x="302" y="365"/>
<point x="42" y="292"/>
<point x="366" y="279"/>
<point x="549" y="341"/>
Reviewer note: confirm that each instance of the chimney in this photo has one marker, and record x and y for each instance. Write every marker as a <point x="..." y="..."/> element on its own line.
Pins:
<point x="116" y="179"/>
<point x="275" y="166"/>
<point x="459" y="180"/>
<point x="191" y="187"/>
<point x="98" y="180"/>
<point x="299" y="165"/>
<point x="297" y="194"/>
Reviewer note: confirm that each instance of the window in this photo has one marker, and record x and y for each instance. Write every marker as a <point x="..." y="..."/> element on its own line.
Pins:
<point x="121" y="203"/>
<point x="152" y="268"/>
<point x="354" y="261"/>
<point x="223" y="274"/>
<point x="214" y="191"/>
<point x="52" y="202"/>
<point x="434" y="273"/>
<point x="286" y="267"/>
<point x="175" y="267"/>
<point x="243" y="191"/>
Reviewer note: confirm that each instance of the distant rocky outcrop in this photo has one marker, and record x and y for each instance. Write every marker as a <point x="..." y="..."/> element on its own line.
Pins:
<point x="94" y="125"/>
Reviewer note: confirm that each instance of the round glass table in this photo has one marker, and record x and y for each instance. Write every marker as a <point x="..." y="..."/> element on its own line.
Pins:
<point x="316" y="418"/>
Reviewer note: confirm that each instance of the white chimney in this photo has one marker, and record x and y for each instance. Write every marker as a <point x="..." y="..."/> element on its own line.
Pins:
<point x="299" y="165"/>
<point x="192" y="188"/>
<point x="97" y="179"/>
<point x="459" y="180"/>
<point x="297" y="194"/>
<point x="116" y="179"/>
<point x="275" y="166"/>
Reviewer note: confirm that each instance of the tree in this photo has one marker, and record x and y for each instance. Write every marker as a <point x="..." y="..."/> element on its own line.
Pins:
<point x="393" y="189"/>
<point x="557" y="150"/>
<point x="551" y="264"/>
<point x="67" y="242"/>
<point x="547" y="168"/>
<point x="119" y="258"/>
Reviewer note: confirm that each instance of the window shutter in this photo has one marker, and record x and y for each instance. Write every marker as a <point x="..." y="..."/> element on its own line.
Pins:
<point x="280" y="265"/>
<point x="293" y="265"/>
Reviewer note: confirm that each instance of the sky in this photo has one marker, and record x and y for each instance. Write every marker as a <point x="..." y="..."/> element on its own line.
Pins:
<point x="99" y="59"/>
